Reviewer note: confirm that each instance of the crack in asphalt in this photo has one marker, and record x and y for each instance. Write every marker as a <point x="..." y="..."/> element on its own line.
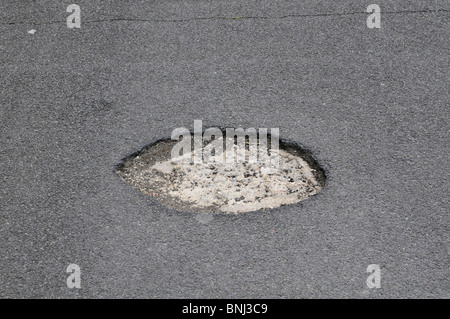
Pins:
<point x="230" y="18"/>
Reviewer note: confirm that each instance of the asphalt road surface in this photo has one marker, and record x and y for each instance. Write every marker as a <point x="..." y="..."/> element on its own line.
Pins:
<point x="372" y="105"/>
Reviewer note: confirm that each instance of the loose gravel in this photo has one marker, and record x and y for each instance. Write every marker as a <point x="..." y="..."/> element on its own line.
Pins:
<point x="225" y="187"/>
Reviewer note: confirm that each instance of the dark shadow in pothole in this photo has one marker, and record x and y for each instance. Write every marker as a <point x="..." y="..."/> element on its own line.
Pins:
<point x="134" y="170"/>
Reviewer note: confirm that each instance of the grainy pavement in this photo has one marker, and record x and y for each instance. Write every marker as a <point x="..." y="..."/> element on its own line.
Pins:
<point x="371" y="104"/>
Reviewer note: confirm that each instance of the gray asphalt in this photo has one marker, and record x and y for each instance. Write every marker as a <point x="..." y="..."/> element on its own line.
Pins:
<point x="371" y="104"/>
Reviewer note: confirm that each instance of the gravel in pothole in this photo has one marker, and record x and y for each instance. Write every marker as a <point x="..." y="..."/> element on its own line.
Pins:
<point x="219" y="187"/>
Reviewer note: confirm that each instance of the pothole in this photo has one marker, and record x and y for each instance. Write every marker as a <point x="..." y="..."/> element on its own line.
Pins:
<point x="237" y="187"/>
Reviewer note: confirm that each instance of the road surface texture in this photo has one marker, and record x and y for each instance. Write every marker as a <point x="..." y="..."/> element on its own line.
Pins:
<point x="372" y="105"/>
